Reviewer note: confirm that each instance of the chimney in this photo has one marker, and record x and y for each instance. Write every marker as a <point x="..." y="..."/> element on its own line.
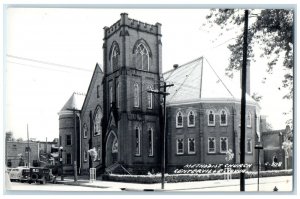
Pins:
<point x="248" y="77"/>
<point x="175" y="66"/>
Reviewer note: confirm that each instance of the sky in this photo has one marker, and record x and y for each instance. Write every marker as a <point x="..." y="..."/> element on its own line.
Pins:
<point x="52" y="52"/>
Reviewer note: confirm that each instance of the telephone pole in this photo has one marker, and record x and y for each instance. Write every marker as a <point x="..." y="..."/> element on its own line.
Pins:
<point x="164" y="127"/>
<point x="243" y="101"/>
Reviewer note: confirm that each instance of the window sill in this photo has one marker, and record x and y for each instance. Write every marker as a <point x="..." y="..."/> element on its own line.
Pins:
<point x="179" y="127"/>
<point x="223" y="125"/>
<point x="191" y="126"/>
<point x="211" y="125"/>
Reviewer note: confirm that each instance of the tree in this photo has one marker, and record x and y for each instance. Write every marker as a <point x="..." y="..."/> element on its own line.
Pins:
<point x="9" y="136"/>
<point x="270" y="30"/>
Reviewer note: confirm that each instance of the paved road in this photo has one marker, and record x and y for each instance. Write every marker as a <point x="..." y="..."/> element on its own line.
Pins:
<point x="32" y="188"/>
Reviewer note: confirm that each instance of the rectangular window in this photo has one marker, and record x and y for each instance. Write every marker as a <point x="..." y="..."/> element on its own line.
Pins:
<point x="9" y="163"/>
<point x="191" y="146"/>
<point x="223" y="144"/>
<point x="180" y="146"/>
<point x="85" y="131"/>
<point x="69" y="158"/>
<point x="68" y="140"/>
<point x="249" y="145"/>
<point x="85" y="156"/>
<point x="137" y="142"/>
<point x="149" y="98"/>
<point x="150" y="134"/>
<point x="211" y="145"/>
<point x="60" y="140"/>
<point x="211" y="118"/>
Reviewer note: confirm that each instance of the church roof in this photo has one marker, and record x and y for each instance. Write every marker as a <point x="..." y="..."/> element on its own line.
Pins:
<point x="74" y="102"/>
<point x="197" y="81"/>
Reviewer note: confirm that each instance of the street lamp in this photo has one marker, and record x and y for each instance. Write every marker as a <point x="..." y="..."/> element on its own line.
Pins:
<point x="61" y="162"/>
<point x="258" y="147"/>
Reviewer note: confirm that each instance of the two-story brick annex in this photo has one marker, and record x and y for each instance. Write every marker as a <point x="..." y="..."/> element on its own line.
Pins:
<point x="121" y="119"/>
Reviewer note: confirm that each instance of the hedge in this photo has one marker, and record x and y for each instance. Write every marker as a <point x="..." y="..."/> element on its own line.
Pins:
<point x="173" y="178"/>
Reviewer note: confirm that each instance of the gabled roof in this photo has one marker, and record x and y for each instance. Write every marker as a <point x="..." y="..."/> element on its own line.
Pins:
<point x="97" y="70"/>
<point x="197" y="81"/>
<point x="74" y="102"/>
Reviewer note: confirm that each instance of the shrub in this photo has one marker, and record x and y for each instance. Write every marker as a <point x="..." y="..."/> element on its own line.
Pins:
<point x="173" y="178"/>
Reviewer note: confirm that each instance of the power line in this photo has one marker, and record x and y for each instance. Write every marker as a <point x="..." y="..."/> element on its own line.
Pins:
<point x="48" y="63"/>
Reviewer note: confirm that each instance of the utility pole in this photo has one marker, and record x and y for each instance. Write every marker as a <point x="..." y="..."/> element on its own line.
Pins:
<point x="243" y="101"/>
<point x="164" y="127"/>
<point x="28" y="148"/>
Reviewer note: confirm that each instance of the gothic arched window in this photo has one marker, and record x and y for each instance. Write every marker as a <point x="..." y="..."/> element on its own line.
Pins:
<point x="97" y="122"/>
<point x="179" y="120"/>
<point x="211" y="118"/>
<point x="249" y="119"/>
<point x="114" y="57"/>
<point x="142" y="57"/>
<point x="149" y="98"/>
<point x="136" y="95"/>
<point x="191" y="119"/>
<point x="223" y="118"/>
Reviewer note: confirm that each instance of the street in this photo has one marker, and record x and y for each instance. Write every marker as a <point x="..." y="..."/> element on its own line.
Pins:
<point x="17" y="186"/>
<point x="282" y="183"/>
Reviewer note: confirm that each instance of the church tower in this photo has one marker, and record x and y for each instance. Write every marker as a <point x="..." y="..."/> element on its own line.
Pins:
<point x="132" y="62"/>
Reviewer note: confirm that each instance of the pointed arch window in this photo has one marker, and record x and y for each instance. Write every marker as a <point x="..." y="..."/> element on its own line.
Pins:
<point x="149" y="98"/>
<point x="110" y="95"/>
<point x="249" y="145"/>
<point x="179" y="145"/>
<point x="211" y="118"/>
<point x="114" y="58"/>
<point x="142" y="57"/>
<point x="115" y="146"/>
<point x="191" y="119"/>
<point x="223" y="144"/>
<point x="97" y="122"/>
<point x="191" y="146"/>
<point x="249" y="119"/>
<point x="85" y="131"/>
<point x="179" y="120"/>
<point x="136" y="97"/>
<point x="211" y="145"/>
<point x="137" y="141"/>
<point x="223" y="118"/>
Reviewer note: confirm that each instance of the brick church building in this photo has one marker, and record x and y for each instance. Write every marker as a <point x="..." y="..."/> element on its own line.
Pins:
<point x="121" y="119"/>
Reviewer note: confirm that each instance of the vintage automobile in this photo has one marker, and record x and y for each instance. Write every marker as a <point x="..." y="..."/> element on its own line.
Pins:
<point x="16" y="173"/>
<point x="25" y="175"/>
<point x="41" y="175"/>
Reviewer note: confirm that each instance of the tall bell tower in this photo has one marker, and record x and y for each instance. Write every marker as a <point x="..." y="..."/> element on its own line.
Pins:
<point x="132" y="60"/>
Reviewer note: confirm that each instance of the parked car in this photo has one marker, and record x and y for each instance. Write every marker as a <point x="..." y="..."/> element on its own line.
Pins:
<point x="25" y="175"/>
<point x="16" y="173"/>
<point x="41" y="175"/>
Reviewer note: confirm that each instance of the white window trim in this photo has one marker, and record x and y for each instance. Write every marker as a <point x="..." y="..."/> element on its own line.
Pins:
<point x="177" y="142"/>
<point x="188" y="119"/>
<point x="85" y="131"/>
<point x="177" y="126"/>
<point x="221" y="151"/>
<point x="249" y="125"/>
<point x="208" y="118"/>
<point x="191" y="152"/>
<point x="151" y="98"/>
<point x="136" y="95"/>
<point x="250" y="145"/>
<point x="225" y="118"/>
<point x="152" y="142"/>
<point x="214" y="145"/>
<point x="139" y="137"/>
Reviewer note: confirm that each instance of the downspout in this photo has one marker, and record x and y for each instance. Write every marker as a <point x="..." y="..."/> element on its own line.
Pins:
<point x="78" y="114"/>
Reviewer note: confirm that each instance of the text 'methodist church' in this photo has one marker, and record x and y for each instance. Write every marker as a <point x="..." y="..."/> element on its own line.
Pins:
<point x="122" y="120"/>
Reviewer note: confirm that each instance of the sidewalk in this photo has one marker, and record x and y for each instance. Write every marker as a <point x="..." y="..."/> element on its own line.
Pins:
<point x="182" y="186"/>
